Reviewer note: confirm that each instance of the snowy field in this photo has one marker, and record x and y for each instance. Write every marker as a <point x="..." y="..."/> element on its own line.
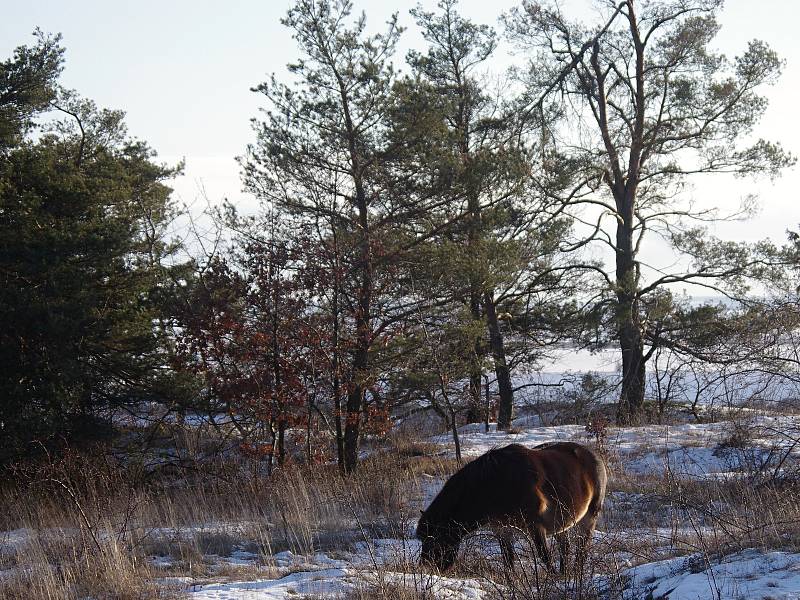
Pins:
<point x="688" y="451"/>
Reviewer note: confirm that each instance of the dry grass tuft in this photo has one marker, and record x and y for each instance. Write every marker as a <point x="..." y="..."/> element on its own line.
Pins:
<point x="66" y="568"/>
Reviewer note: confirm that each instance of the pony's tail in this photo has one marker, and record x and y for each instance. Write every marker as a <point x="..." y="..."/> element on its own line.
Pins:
<point x="596" y="505"/>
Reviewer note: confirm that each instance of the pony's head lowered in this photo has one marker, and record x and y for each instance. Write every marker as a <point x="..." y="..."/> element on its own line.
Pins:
<point x="440" y="542"/>
<point x="451" y="515"/>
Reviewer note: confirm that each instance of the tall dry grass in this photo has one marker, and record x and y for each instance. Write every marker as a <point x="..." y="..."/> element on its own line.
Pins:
<point x="89" y="525"/>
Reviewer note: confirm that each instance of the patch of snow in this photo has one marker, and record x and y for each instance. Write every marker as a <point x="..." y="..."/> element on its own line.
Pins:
<point x="446" y="588"/>
<point x="323" y="582"/>
<point x="13" y="539"/>
<point x="750" y="574"/>
<point x="240" y="558"/>
<point x="475" y="442"/>
<point x="387" y="551"/>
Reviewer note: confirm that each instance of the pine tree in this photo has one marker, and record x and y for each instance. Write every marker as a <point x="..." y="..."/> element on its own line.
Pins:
<point x="86" y="273"/>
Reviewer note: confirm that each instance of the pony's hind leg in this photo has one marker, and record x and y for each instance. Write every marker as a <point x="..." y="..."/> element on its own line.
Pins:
<point x="585" y="529"/>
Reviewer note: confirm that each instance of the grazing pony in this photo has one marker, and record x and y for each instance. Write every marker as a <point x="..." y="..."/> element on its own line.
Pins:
<point x="543" y="491"/>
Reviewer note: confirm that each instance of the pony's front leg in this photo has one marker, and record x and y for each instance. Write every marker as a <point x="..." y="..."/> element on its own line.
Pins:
<point x="563" y="551"/>
<point x="539" y="536"/>
<point x="506" y="539"/>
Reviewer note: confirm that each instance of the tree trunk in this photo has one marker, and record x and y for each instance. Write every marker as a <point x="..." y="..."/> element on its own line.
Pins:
<point x="506" y="404"/>
<point x="474" y="408"/>
<point x="273" y="442"/>
<point x="362" y="316"/>
<point x="353" y="419"/>
<point x="281" y="441"/>
<point x="337" y="382"/>
<point x="363" y="322"/>
<point x="487" y="406"/>
<point x="308" y="433"/>
<point x="355" y="397"/>
<point x="276" y="371"/>
<point x="454" y="431"/>
<point x="631" y="398"/>
<point x="337" y="386"/>
<point x="473" y="242"/>
<point x="629" y="329"/>
<point x="337" y="419"/>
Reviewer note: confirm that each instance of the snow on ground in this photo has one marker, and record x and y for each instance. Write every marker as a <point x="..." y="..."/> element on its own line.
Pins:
<point x="321" y="575"/>
<point x="750" y="574"/>
<point x="690" y="450"/>
<point x="10" y="540"/>
<point x="335" y="581"/>
<point x="328" y="582"/>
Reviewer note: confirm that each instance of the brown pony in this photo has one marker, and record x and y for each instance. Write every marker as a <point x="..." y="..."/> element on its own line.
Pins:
<point x="544" y="491"/>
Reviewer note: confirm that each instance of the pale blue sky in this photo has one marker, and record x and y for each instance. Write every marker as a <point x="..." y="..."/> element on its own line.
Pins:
<point x="182" y="71"/>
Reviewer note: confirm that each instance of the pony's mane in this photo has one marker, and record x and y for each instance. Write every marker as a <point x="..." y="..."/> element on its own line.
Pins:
<point x="460" y="483"/>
